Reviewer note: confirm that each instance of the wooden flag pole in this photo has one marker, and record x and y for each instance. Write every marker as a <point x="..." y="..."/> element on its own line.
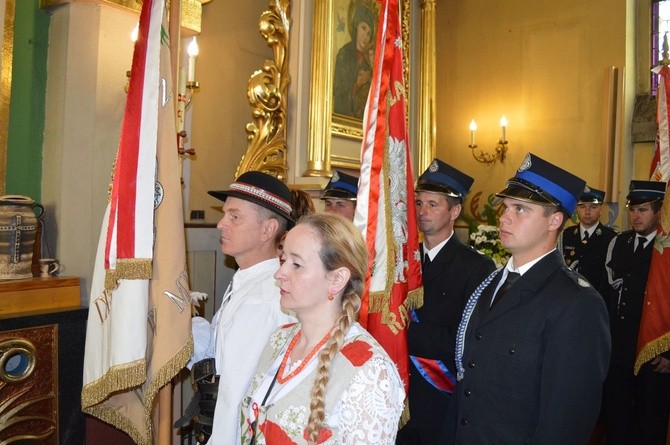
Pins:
<point x="165" y="393"/>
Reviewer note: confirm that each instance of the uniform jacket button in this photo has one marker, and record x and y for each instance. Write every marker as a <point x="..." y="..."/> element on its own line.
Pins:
<point x="478" y="336"/>
<point x="471" y="364"/>
<point x="467" y="393"/>
<point x="465" y="421"/>
<point x="511" y="350"/>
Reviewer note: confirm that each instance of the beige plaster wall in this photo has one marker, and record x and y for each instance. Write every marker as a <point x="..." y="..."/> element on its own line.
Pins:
<point x="542" y="64"/>
<point x="231" y="49"/>
<point x="89" y="53"/>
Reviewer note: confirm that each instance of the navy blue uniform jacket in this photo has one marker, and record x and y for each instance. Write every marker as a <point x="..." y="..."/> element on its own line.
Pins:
<point x="447" y="284"/>
<point x="534" y="363"/>
<point x="587" y="258"/>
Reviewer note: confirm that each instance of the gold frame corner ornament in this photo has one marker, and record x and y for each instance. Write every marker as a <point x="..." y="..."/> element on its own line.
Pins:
<point x="267" y="92"/>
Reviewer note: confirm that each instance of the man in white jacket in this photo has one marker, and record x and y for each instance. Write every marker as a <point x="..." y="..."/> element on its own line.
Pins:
<point x="256" y="213"/>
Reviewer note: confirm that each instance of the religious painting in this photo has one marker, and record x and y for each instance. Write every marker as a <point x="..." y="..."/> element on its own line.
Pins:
<point x="344" y="34"/>
<point x="354" y="36"/>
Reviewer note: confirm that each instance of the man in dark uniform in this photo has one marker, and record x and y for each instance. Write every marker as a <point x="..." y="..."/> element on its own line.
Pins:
<point x="635" y="407"/>
<point x="451" y="271"/>
<point x="584" y="245"/>
<point x="533" y="346"/>
<point x="340" y="195"/>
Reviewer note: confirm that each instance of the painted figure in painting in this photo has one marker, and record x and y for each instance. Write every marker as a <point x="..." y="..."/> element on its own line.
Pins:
<point x="353" y="65"/>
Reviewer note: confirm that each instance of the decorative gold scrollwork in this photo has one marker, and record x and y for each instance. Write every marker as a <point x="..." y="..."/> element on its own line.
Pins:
<point x="17" y="360"/>
<point x="268" y="92"/>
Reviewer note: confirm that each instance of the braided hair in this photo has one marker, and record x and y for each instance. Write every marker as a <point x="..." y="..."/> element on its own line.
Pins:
<point x="342" y="245"/>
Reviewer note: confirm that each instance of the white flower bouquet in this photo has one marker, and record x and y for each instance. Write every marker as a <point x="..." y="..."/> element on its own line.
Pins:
<point x="487" y="241"/>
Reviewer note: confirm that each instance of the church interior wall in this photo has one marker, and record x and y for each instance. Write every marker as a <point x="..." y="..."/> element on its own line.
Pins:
<point x="542" y="64"/>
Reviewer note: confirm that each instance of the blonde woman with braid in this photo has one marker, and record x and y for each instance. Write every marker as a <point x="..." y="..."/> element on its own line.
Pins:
<point x="323" y="380"/>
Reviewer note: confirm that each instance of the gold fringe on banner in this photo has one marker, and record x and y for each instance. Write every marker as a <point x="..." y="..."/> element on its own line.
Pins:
<point x="652" y="350"/>
<point x="128" y="269"/>
<point x="116" y="379"/>
<point x="94" y="394"/>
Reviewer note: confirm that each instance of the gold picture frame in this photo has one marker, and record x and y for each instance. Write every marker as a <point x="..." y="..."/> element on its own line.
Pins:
<point x="334" y="138"/>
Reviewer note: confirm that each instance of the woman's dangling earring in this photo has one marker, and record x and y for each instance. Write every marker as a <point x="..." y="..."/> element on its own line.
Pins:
<point x="330" y="297"/>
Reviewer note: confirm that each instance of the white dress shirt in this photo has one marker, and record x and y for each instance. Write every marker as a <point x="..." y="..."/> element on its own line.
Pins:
<point x="239" y="331"/>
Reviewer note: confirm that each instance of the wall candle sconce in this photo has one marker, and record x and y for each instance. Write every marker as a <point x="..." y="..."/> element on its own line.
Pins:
<point x="500" y="149"/>
<point x="184" y="99"/>
<point x="185" y="82"/>
<point x="192" y="51"/>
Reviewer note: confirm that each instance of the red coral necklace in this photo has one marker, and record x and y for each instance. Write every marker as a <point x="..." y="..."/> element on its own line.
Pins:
<point x="280" y="374"/>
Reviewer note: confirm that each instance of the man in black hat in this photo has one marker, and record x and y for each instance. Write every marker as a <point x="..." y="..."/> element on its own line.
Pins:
<point x="340" y="195"/>
<point x="533" y="345"/>
<point x="256" y="214"/>
<point x="584" y="246"/>
<point x="635" y="408"/>
<point x="451" y="272"/>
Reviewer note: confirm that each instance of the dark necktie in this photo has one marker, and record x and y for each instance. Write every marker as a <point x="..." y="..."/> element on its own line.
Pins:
<point x="586" y="238"/>
<point x="511" y="278"/>
<point x="640" y="244"/>
<point x="426" y="261"/>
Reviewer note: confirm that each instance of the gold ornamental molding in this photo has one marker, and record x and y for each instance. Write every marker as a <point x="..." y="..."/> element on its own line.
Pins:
<point x="191" y="10"/>
<point x="427" y="73"/>
<point x="6" y="86"/>
<point x="267" y="92"/>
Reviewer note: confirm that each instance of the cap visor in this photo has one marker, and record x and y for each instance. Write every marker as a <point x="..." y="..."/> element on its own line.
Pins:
<point x="433" y="188"/>
<point x="523" y="194"/>
<point x="218" y="194"/>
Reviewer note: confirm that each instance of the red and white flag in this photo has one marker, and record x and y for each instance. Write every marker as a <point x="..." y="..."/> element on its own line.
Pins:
<point x="386" y="213"/>
<point x="138" y="335"/>
<point x="654" y="335"/>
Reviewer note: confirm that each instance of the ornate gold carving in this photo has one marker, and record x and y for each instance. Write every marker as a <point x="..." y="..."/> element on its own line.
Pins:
<point x="28" y="382"/>
<point x="6" y="86"/>
<point x="347" y="127"/>
<point x="20" y="351"/>
<point x="191" y="10"/>
<point x="427" y="106"/>
<point x="268" y="92"/>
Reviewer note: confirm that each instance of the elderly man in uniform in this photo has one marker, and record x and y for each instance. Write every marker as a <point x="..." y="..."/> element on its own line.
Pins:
<point x="533" y="345"/>
<point x="451" y="272"/>
<point x="340" y="195"/>
<point x="584" y="246"/>
<point x="256" y="214"/>
<point x="635" y="407"/>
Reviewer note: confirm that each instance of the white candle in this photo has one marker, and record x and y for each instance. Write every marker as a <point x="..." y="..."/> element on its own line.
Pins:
<point x="503" y="125"/>
<point x="135" y="32"/>
<point x="181" y="100"/>
<point x="192" y="53"/>
<point x="473" y="128"/>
